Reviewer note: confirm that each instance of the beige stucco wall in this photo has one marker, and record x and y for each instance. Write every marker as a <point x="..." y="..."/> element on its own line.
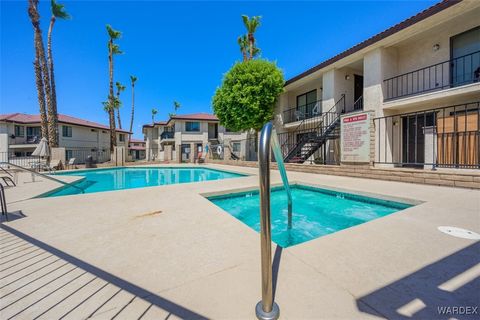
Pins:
<point x="418" y="52"/>
<point x="82" y="137"/>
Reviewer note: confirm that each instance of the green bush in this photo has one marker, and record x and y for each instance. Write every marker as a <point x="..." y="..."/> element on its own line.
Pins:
<point x="247" y="96"/>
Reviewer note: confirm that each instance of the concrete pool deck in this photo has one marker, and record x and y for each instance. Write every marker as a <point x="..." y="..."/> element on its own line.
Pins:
<point x="168" y="252"/>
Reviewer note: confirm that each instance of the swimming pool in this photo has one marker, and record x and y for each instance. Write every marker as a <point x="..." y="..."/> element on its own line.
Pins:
<point x="99" y="180"/>
<point x="316" y="212"/>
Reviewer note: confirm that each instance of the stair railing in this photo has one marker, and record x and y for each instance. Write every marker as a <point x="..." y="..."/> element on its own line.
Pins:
<point x="42" y="175"/>
<point x="327" y="119"/>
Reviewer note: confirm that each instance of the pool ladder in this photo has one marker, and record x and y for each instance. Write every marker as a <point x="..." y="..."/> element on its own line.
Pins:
<point x="267" y="309"/>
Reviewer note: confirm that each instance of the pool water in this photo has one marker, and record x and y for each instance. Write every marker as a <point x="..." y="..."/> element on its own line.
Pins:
<point x="316" y="212"/>
<point x="98" y="180"/>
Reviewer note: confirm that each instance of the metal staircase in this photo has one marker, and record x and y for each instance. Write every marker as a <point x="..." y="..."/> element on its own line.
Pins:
<point x="311" y="134"/>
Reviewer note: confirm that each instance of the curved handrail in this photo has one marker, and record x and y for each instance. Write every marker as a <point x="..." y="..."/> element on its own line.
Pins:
<point x="43" y="175"/>
<point x="267" y="308"/>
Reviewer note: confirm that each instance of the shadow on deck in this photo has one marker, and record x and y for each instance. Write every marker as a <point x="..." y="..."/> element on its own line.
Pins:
<point x="433" y="291"/>
<point x="37" y="280"/>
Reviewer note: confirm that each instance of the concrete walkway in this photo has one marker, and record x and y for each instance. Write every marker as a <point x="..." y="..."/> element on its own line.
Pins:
<point x="169" y="252"/>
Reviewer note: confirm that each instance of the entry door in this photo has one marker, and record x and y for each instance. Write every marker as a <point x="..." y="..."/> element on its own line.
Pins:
<point x="212" y="130"/>
<point x="186" y="152"/>
<point x="413" y="138"/>
<point x="358" y="92"/>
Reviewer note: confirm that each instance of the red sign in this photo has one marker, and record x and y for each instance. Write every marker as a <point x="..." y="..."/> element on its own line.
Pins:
<point x="360" y="117"/>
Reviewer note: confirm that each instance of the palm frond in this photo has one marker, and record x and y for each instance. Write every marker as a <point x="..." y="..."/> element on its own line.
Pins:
<point x="245" y="20"/>
<point x="176" y="105"/>
<point x="120" y="87"/>
<point x="58" y="11"/>
<point x="115" y="48"/>
<point x="256" y="51"/>
<point x="133" y="79"/>
<point x="112" y="33"/>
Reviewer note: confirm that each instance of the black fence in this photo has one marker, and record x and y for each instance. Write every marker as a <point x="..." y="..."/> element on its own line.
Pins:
<point x="446" y="137"/>
<point x="302" y="112"/>
<point x="452" y="73"/>
<point x="82" y="154"/>
<point x="20" y="159"/>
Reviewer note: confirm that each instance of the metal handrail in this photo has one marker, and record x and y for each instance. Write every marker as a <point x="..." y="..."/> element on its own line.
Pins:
<point x="440" y="76"/>
<point x="308" y="115"/>
<point x="334" y="112"/>
<point x="358" y="104"/>
<point x="433" y="65"/>
<point x="267" y="309"/>
<point x="43" y="175"/>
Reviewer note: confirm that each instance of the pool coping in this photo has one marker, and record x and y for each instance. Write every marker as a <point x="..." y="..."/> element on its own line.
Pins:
<point x="402" y="200"/>
<point x="82" y="178"/>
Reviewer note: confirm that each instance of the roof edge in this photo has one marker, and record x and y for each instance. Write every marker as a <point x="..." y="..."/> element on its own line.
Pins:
<point x="436" y="8"/>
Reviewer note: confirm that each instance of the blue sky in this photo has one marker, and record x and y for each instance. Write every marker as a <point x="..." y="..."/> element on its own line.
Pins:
<point x="178" y="50"/>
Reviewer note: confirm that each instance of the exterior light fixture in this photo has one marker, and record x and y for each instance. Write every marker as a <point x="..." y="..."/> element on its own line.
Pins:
<point x="347" y="77"/>
<point x="436" y="47"/>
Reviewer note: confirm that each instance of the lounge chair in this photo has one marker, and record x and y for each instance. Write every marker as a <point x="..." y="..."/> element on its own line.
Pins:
<point x="55" y="165"/>
<point x="71" y="162"/>
<point x="299" y="115"/>
<point x="317" y="109"/>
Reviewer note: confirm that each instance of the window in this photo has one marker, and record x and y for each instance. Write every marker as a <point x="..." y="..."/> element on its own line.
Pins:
<point x="464" y="52"/>
<point x="66" y="131"/>
<point x="19" y="131"/>
<point x="236" y="146"/>
<point x="121" y="137"/>
<point x="192" y="126"/>
<point x="68" y="154"/>
<point x="34" y="132"/>
<point x="306" y="102"/>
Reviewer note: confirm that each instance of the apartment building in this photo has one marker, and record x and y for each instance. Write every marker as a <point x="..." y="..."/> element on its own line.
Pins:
<point x="20" y="134"/>
<point x="406" y="97"/>
<point x="136" y="149"/>
<point x="183" y="137"/>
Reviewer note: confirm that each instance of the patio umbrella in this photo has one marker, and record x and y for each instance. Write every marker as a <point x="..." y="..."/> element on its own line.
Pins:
<point x="42" y="150"/>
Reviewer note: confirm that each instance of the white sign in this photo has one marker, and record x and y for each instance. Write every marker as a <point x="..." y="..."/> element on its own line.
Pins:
<point x="355" y="138"/>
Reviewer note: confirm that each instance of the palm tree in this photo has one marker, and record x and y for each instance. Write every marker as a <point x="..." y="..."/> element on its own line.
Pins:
<point x="120" y="88"/>
<point x="154" y="112"/>
<point x="59" y="12"/>
<point x="251" y="24"/>
<point x="133" y="79"/>
<point x="41" y="96"/>
<point x="176" y="106"/>
<point x="243" y="43"/>
<point x="41" y="70"/>
<point x="113" y="49"/>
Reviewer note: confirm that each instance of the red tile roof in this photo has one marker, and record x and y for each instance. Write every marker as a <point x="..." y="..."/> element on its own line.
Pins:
<point x="136" y="148"/>
<point x="201" y="116"/>
<point x="196" y="116"/>
<point x="62" y="118"/>
<point x="137" y="141"/>
<point x="436" y="8"/>
<point x="160" y="123"/>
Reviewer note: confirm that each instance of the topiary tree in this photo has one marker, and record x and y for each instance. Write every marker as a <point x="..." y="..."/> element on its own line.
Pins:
<point x="247" y="96"/>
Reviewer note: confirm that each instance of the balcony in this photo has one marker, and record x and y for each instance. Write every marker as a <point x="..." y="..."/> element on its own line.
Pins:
<point x="167" y="135"/>
<point x="448" y="74"/>
<point x="302" y="112"/>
